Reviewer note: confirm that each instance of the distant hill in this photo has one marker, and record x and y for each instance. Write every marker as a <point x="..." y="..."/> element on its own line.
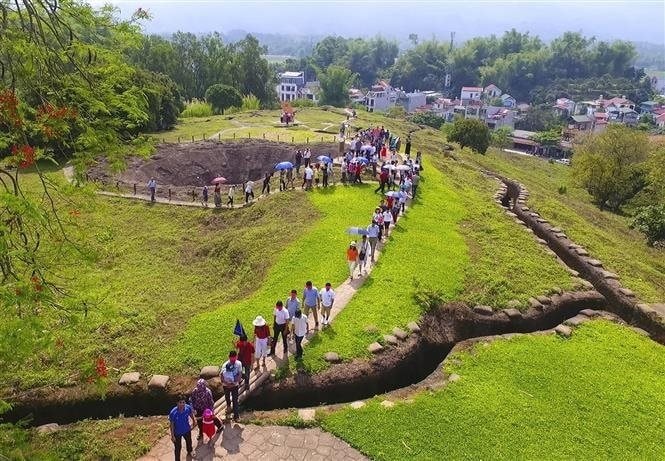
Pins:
<point x="650" y="55"/>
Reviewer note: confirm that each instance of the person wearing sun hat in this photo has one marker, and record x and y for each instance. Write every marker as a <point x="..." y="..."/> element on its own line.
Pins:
<point x="352" y="258"/>
<point x="261" y="335"/>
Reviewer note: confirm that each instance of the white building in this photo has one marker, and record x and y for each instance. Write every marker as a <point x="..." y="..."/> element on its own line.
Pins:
<point x="310" y="91"/>
<point x="492" y="91"/>
<point x="290" y="84"/>
<point x="381" y="97"/>
<point x="471" y="93"/>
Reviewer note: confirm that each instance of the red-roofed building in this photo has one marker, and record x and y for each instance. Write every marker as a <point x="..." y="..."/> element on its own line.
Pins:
<point x="660" y="121"/>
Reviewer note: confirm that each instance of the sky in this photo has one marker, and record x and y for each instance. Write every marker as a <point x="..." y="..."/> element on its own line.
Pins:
<point x="638" y="20"/>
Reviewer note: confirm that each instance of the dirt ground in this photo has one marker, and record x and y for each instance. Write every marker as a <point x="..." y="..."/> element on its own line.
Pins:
<point x="192" y="165"/>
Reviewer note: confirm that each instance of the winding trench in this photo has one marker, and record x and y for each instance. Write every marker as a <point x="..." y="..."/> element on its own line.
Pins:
<point x="405" y="364"/>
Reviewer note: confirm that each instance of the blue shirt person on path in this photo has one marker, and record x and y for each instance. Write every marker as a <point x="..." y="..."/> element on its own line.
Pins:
<point x="179" y="419"/>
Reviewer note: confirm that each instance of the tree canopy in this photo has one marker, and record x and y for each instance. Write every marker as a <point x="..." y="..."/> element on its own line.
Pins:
<point x="221" y="97"/>
<point x="335" y="83"/>
<point x="469" y="132"/>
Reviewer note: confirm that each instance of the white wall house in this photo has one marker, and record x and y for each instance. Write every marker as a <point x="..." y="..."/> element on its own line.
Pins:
<point x="381" y="97"/>
<point x="492" y="91"/>
<point x="289" y="85"/>
<point x="471" y="93"/>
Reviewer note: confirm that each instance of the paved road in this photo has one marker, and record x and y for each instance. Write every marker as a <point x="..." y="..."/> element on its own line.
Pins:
<point x="263" y="443"/>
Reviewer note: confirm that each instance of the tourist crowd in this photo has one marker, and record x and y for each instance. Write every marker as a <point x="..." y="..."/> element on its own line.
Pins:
<point x="299" y="313"/>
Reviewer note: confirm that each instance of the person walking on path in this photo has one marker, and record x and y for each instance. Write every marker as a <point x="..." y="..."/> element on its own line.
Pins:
<point x="311" y="301"/>
<point x="281" y="321"/>
<point x="152" y="187"/>
<point x="289" y="179"/>
<point x="246" y="357"/>
<point x="217" y="196"/>
<point x="202" y="400"/>
<point x="383" y="181"/>
<point x="261" y="338"/>
<point x="373" y="235"/>
<point x="179" y="422"/>
<point x="298" y="161"/>
<point x="282" y="180"/>
<point x="205" y="195"/>
<point x="327" y="296"/>
<point x="307" y="157"/>
<point x="415" y="180"/>
<point x="352" y="258"/>
<point x="387" y="220"/>
<point x="309" y="176"/>
<point x="363" y="255"/>
<point x="378" y="219"/>
<point x="401" y="196"/>
<point x="249" y="191"/>
<point x="301" y="328"/>
<point x="231" y="193"/>
<point x="292" y="305"/>
<point x="324" y="175"/>
<point x="230" y="374"/>
<point x="266" y="185"/>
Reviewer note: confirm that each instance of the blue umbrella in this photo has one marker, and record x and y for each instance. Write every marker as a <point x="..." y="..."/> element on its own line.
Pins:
<point x="356" y="231"/>
<point x="392" y="193"/>
<point x="362" y="160"/>
<point x="324" y="159"/>
<point x="284" y="166"/>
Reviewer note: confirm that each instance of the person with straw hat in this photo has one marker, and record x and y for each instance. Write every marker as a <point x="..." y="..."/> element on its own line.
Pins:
<point x="261" y="335"/>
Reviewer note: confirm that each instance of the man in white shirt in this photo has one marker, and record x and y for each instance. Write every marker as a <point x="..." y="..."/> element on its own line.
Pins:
<point x="281" y="320"/>
<point x="152" y="187"/>
<point x="309" y="175"/>
<point x="327" y="296"/>
<point x="301" y="328"/>
<point x="249" y="191"/>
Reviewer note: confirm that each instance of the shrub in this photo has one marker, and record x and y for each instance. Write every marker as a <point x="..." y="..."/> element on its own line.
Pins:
<point x="428" y="118"/>
<point x="650" y="220"/>
<point x="562" y="190"/>
<point x="472" y="133"/>
<point x="197" y="109"/>
<point x="221" y="97"/>
<point x="250" y="102"/>
<point x="303" y="102"/>
<point x="396" y="112"/>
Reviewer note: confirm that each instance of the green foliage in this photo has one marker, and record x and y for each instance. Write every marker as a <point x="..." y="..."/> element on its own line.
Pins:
<point x="251" y="71"/>
<point x="538" y="118"/>
<point x="335" y="82"/>
<point x="605" y="235"/>
<point x="397" y="112"/>
<point x="650" y="221"/>
<point x="197" y="109"/>
<point x="471" y="133"/>
<point x="427" y="118"/>
<point x="562" y="190"/>
<point x="550" y="137"/>
<point x="500" y="137"/>
<point x="221" y="97"/>
<point x="633" y="85"/>
<point x="422" y="67"/>
<point x="609" y="167"/>
<point x="303" y="102"/>
<point x="250" y="102"/>
<point x="507" y="385"/>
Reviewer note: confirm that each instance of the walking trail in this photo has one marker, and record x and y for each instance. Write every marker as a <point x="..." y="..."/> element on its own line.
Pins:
<point x="279" y="444"/>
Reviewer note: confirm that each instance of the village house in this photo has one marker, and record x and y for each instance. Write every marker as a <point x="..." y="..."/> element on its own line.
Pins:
<point x="492" y="91"/>
<point x="289" y="85"/>
<point x="508" y="101"/>
<point x="411" y="101"/>
<point x="564" y="107"/>
<point x="470" y="93"/>
<point x="660" y="121"/>
<point x="499" y="117"/>
<point x="380" y="97"/>
<point x="310" y="91"/>
<point x="580" y="122"/>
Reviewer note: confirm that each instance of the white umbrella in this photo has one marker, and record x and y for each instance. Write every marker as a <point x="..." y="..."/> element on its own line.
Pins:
<point x="403" y="168"/>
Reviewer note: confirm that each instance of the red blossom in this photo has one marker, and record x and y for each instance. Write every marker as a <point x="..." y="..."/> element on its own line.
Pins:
<point x="74" y="213"/>
<point x="9" y="109"/>
<point x="24" y="154"/>
<point x="100" y="368"/>
<point x="36" y="283"/>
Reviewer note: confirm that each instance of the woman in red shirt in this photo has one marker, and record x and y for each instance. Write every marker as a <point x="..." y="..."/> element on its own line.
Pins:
<point x="245" y="355"/>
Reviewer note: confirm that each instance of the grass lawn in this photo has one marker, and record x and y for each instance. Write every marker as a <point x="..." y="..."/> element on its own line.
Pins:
<point x="605" y="235"/>
<point x="317" y="255"/>
<point x="454" y="243"/>
<point x="114" y="439"/>
<point x="531" y="397"/>
<point x="151" y="269"/>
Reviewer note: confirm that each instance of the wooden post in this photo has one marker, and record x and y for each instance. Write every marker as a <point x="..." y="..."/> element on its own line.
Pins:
<point x="193" y="195"/>
<point x="321" y="138"/>
<point x="278" y="137"/>
<point x="169" y="194"/>
<point x="292" y="139"/>
<point x="249" y="134"/>
<point x="117" y="185"/>
<point x="264" y="136"/>
<point x="234" y="135"/>
<point x="219" y="136"/>
<point x="134" y="188"/>
<point x="204" y="136"/>
<point x="178" y="139"/>
<point x="192" y="138"/>
<point x="307" y="139"/>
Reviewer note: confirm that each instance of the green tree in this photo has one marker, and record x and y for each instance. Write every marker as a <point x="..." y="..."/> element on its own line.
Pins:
<point x="422" y="67"/>
<point x="252" y="72"/>
<point x="650" y="220"/>
<point x="221" y="97"/>
<point x="335" y="83"/>
<point x="471" y="133"/>
<point x="500" y="137"/>
<point x="610" y="165"/>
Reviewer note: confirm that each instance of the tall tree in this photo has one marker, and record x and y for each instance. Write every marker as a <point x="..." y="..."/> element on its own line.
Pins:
<point x="221" y="97"/>
<point x="335" y="83"/>
<point x="609" y="165"/>
<point x="469" y="132"/>
<point x="252" y="71"/>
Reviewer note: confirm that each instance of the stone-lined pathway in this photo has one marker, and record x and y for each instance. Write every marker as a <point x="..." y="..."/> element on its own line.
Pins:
<point x="264" y="443"/>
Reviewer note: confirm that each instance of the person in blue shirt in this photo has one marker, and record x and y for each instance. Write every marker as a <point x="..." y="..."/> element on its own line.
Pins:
<point x="311" y="302"/>
<point x="230" y="373"/>
<point x="180" y="418"/>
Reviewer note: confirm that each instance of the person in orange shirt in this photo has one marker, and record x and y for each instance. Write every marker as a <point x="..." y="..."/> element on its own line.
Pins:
<point x="352" y="258"/>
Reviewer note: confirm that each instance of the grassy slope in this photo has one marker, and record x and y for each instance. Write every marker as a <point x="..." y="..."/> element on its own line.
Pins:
<point x="604" y="234"/>
<point x="317" y="255"/>
<point x="116" y="439"/>
<point x="454" y="241"/>
<point x="531" y="397"/>
<point x="156" y="267"/>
